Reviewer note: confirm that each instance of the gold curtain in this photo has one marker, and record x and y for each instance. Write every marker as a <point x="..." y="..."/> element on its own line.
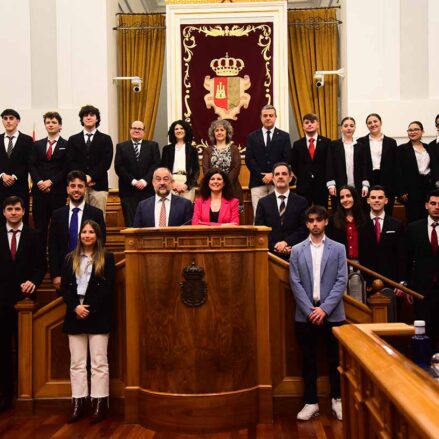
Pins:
<point x="140" y="53"/>
<point x="313" y="45"/>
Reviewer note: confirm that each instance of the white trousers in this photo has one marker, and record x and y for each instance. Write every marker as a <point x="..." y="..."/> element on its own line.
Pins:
<point x="259" y="192"/>
<point x="100" y="377"/>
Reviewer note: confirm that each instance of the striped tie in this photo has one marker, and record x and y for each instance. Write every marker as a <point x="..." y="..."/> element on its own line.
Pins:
<point x="10" y="146"/>
<point x="137" y="150"/>
<point x="282" y="209"/>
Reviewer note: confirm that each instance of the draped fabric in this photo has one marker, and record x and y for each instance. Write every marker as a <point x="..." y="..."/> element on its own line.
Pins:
<point x="140" y="53"/>
<point x="313" y="45"/>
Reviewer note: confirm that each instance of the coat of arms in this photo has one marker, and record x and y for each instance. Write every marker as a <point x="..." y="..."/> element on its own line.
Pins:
<point x="227" y="90"/>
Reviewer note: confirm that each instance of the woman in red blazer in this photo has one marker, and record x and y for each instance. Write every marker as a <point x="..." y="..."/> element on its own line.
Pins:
<point x="216" y="204"/>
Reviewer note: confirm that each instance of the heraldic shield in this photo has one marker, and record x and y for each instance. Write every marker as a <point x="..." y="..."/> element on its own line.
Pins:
<point x="193" y="289"/>
<point x="227" y="90"/>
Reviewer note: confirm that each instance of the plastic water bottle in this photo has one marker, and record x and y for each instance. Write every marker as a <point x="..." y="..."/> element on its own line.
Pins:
<point x="421" y="345"/>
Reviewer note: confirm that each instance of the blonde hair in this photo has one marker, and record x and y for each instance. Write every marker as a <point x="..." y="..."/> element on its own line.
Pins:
<point x="98" y="257"/>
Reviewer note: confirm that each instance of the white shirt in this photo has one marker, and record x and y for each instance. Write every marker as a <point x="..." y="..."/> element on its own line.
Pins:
<point x="376" y="151"/>
<point x="14" y="139"/>
<point x="54" y="145"/>
<point x="316" y="256"/>
<point x="17" y="236"/>
<point x="381" y="219"/>
<point x="312" y="137"/>
<point x="431" y="221"/>
<point x="158" y="207"/>
<point x="91" y="137"/>
<point x="179" y="159"/>
<point x="349" y="159"/>
<point x="264" y="134"/>
<point x="80" y="212"/>
<point x="85" y="269"/>
<point x="423" y="161"/>
<point x="279" y="201"/>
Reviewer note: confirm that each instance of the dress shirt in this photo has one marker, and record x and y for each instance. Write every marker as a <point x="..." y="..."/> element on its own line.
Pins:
<point x="279" y="201"/>
<point x="179" y="159"/>
<point x="315" y="140"/>
<point x="349" y="155"/>
<point x="316" y="257"/>
<point x="158" y="206"/>
<point x="80" y="212"/>
<point x="54" y="145"/>
<point x="82" y="279"/>
<point x="430" y="222"/>
<point x="14" y="139"/>
<point x="423" y="161"/>
<point x="381" y="217"/>
<point x="17" y="236"/>
<point x="264" y="134"/>
<point x="376" y="151"/>
<point x="89" y="132"/>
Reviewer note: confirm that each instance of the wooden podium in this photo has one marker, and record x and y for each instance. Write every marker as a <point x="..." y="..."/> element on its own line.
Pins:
<point x="197" y="328"/>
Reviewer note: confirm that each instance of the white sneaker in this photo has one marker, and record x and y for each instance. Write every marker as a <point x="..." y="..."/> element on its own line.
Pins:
<point x="308" y="411"/>
<point x="336" y="408"/>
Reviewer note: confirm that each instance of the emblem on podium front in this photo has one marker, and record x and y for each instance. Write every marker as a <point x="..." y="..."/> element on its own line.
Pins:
<point x="193" y="289"/>
<point x="227" y="89"/>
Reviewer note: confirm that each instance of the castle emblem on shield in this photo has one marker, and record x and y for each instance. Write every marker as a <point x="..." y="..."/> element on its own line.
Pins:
<point x="227" y="90"/>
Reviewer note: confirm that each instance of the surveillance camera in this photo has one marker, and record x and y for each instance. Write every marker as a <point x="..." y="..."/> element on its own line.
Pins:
<point x="137" y="85"/>
<point x="319" y="80"/>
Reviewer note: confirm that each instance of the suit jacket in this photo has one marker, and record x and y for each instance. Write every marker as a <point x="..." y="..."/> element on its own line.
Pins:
<point x="388" y="169"/>
<point x="336" y="165"/>
<point x="192" y="163"/>
<point x="434" y="147"/>
<point x="95" y="163"/>
<point x="333" y="280"/>
<point x="293" y="230"/>
<point x="17" y="164"/>
<point x="98" y="296"/>
<point x="54" y="169"/>
<point x="422" y="263"/>
<point x="260" y="159"/>
<point x="29" y="264"/>
<point x="179" y="215"/>
<point x="59" y="234"/>
<point x="308" y="170"/>
<point x="228" y="213"/>
<point x="128" y="168"/>
<point x="389" y="257"/>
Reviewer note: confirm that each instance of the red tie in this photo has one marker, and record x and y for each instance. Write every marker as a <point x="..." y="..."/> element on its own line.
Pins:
<point x="377" y="229"/>
<point x="14" y="243"/>
<point x="50" y="149"/>
<point x="311" y="148"/>
<point x="434" y="243"/>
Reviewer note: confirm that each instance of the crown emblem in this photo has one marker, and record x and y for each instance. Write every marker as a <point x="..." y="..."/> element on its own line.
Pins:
<point x="227" y="66"/>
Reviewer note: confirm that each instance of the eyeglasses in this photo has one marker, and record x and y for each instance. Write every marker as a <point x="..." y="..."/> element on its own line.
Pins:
<point x="413" y="130"/>
<point x="159" y="179"/>
<point x="137" y="129"/>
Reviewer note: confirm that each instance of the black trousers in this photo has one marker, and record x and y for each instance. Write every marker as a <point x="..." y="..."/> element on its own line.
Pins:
<point x="428" y="310"/>
<point x="8" y="332"/>
<point x="308" y="336"/>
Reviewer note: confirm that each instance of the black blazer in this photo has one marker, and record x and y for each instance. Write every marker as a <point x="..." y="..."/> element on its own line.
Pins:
<point x="192" y="163"/>
<point x="408" y="171"/>
<point x="336" y="165"/>
<point x="17" y="164"/>
<point x="422" y="263"/>
<point x="128" y="168"/>
<point x="260" y="159"/>
<point x="388" y="167"/>
<point x="54" y="169"/>
<point x="293" y="230"/>
<point x="307" y="170"/>
<point x="434" y="147"/>
<point x="29" y="264"/>
<point x="59" y="234"/>
<point x="389" y="257"/>
<point x="98" y="296"/>
<point x="96" y="163"/>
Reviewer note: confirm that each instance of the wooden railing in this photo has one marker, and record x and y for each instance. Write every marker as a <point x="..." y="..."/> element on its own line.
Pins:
<point x="384" y="394"/>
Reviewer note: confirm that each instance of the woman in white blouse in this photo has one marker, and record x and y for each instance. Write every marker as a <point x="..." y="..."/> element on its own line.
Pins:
<point x="418" y="172"/>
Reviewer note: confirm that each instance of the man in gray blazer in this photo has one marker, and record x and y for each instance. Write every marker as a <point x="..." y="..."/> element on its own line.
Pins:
<point x="318" y="278"/>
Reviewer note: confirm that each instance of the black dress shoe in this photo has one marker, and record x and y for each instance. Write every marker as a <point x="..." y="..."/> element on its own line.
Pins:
<point x="5" y="403"/>
<point x="100" y="410"/>
<point x="77" y="410"/>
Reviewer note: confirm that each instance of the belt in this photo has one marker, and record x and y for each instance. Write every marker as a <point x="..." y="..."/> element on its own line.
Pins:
<point x="316" y="302"/>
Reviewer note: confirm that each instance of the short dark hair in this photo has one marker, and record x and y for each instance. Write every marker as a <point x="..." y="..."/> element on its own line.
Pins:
<point x="377" y="187"/>
<point x="311" y="117"/>
<point x="315" y="209"/>
<point x="288" y="166"/>
<point x="436" y="118"/>
<point x="90" y="109"/>
<point x="433" y="193"/>
<point x="375" y="115"/>
<point x="204" y="186"/>
<point x="188" y="136"/>
<point x="416" y="122"/>
<point x="10" y="112"/>
<point x="52" y="115"/>
<point x="12" y="201"/>
<point x="72" y="175"/>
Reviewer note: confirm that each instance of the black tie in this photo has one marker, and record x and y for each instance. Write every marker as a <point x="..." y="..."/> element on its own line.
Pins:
<point x="268" y="138"/>
<point x="10" y="146"/>
<point x="88" y="143"/>
<point x="282" y="209"/>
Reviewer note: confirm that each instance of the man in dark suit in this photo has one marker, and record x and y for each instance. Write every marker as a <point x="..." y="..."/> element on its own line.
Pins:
<point x="163" y="209"/>
<point x="265" y="147"/>
<point x="48" y="169"/>
<point x="15" y="149"/>
<point x="423" y="256"/>
<point x="283" y="211"/>
<point x="91" y="152"/>
<point x="434" y="144"/>
<point x="22" y="268"/>
<point x="66" y="223"/>
<point x="309" y="158"/>
<point x="135" y="162"/>
<point x="382" y="245"/>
